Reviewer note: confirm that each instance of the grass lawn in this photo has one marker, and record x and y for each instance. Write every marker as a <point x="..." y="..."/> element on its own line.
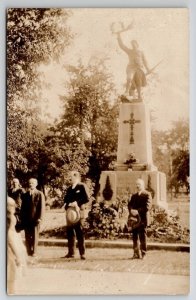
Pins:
<point x="54" y="218"/>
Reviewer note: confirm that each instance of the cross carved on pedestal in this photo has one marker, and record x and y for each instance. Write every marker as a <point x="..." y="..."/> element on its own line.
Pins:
<point x="132" y="122"/>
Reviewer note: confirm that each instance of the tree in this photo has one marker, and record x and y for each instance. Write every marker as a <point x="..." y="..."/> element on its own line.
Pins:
<point x="160" y="151"/>
<point x="180" y="174"/>
<point x="34" y="36"/>
<point x="171" y="153"/>
<point x="60" y="155"/>
<point x="89" y="122"/>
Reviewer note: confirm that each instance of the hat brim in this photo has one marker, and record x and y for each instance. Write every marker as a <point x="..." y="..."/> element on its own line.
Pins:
<point x="134" y="221"/>
<point x="72" y="216"/>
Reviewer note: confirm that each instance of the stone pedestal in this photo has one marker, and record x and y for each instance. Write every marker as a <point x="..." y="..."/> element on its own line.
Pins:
<point x="123" y="183"/>
<point x="134" y="137"/>
<point x="134" y="134"/>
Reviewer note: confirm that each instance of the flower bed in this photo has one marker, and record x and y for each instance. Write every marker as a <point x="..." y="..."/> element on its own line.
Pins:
<point x="104" y="222"/>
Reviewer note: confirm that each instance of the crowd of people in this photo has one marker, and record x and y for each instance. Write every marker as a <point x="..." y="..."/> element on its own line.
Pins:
<point x="25" y="211"/>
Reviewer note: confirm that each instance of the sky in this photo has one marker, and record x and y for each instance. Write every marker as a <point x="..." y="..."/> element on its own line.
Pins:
<point x="162" y="35"/>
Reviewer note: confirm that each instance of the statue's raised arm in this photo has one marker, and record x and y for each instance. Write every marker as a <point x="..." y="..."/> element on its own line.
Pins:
<point x="118" y="33"/>
<point x="121" y="44"/>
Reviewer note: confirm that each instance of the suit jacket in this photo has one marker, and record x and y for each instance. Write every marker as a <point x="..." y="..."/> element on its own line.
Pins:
<point x="142" y="203"/>
<point x="78" y="194"/>
<point x="32" y="208"/>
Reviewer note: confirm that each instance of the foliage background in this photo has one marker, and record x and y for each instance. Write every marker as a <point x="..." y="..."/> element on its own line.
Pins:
<point x="84" y="136"/>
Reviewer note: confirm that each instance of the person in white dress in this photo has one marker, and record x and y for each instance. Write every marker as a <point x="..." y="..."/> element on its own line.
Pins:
<point x="16" y="252"/>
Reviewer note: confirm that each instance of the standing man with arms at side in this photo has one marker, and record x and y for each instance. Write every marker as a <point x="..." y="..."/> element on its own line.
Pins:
<point x="140" y="204"/>
<point x="32" y="210"/>
<point x="76" y="196"/>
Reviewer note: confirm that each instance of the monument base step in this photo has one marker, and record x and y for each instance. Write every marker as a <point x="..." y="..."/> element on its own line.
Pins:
<point x="123" y="184"/>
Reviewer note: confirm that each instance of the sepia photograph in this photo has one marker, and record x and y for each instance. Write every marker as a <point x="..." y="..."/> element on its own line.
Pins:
<point x="98" y="181"/>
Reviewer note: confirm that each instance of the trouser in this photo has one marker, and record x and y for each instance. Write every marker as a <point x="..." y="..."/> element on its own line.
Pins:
<point x="130" y="73"/>
<point x="71" y="232"/>
<point x="31" y="239"/>
<point x="139" y="235"/>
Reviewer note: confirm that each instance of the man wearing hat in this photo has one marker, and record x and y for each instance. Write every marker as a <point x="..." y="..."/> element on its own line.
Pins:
<point x="139" y="207"/>
<point x="74" y="200"/>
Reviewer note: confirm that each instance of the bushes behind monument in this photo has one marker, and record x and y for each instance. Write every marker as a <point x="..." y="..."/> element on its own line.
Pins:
<point x="102" y="222"/>
<point x="166" y="227"/>
<point x="107" y="222"/>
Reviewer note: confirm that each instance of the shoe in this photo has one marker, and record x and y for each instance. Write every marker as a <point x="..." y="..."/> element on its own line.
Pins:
<point x="82" y="257"/>
<point x="68" y="256"/>
<point x="34" y="255"/>
<point x="143" y="255"/>
<point x="135" y="256"/>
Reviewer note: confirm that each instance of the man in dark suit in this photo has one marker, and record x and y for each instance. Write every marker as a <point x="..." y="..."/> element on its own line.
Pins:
<point x="32" y="210"/>
<point x="76" y="196"/>
<point x="15" y="193"/>
<point x="140" y="204"/>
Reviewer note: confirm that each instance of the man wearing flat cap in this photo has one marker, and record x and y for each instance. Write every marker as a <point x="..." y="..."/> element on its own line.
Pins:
<point x="75" y="198"/>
